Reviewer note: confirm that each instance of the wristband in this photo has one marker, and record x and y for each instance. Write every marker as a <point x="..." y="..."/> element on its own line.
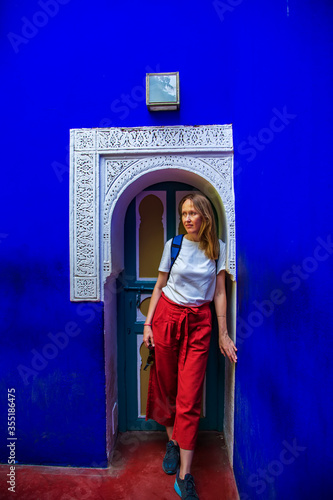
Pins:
<point x="147" y="324"/>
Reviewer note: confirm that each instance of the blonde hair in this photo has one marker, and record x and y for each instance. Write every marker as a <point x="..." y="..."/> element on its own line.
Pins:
<point x="207" y="233"/>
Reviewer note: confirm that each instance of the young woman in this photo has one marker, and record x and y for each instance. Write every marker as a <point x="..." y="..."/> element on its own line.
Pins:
<point x="178" y="327"/>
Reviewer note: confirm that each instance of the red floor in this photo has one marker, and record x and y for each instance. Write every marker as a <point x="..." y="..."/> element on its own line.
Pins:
<point x="135" y="474"/>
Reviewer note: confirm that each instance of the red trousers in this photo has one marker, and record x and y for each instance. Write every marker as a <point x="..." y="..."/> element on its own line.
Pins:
<point x="181" y="337"/>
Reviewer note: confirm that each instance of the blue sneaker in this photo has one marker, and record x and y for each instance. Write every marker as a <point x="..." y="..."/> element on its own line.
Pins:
<point x="186" y="487"/>
<point x="171" y="458"/>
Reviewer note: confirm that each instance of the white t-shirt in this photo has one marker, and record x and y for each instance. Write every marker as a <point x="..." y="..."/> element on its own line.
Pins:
<point x="193" y="276"/>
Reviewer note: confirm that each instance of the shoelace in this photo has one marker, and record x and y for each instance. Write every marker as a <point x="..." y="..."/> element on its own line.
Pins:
<point x="190" y="485"/>
<point x="172" y="451"/>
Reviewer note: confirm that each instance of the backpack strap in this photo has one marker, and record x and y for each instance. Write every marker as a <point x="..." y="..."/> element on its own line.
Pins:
<point x="216" y="261"/>
<point x="175" y="248"/>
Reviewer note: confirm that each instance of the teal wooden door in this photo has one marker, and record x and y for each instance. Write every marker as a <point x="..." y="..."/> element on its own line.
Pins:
<point x="151" y="219"/>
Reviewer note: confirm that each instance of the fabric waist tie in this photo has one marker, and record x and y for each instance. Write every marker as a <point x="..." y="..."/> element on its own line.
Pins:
<point x="183" y="325"/>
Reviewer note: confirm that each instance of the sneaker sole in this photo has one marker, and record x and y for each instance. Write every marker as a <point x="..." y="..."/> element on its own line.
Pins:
<point x="177" y="489"/>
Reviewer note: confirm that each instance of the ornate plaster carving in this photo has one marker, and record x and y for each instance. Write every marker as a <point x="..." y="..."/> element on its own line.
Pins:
<point x="105" y="162"/>
<point x="204" y="137"/>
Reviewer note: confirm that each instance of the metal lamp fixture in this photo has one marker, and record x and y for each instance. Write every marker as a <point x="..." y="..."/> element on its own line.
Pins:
<point x="162" y="91"/>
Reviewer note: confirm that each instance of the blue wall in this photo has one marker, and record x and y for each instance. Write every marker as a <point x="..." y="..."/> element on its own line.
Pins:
<point x="266" y="68"/>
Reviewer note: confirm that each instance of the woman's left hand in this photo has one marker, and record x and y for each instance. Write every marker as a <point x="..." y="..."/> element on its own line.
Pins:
<point x="227" y="347"/>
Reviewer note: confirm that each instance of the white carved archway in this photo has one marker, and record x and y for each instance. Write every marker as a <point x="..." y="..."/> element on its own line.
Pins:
<point x="109" y="167"/>
<point x="104" y="163"/>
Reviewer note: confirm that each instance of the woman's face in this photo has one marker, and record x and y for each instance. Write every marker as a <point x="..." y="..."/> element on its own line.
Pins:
<point x="191" y="219"/>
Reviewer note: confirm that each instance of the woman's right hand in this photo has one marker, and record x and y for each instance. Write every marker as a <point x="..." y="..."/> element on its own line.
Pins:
<point x="148" y="337"/>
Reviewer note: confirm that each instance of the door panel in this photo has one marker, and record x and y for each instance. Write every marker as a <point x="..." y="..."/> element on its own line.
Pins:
<point x="151" y="219"/>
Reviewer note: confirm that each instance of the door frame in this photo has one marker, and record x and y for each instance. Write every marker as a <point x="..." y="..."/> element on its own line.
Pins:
<point x="108" y="167"/>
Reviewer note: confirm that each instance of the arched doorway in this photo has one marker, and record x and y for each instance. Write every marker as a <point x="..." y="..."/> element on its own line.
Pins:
<point x="151" y="219"/>
<point x="108" y="168"/>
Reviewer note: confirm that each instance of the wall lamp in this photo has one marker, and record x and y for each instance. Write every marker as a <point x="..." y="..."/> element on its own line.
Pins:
<point x="162" y="91"/>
